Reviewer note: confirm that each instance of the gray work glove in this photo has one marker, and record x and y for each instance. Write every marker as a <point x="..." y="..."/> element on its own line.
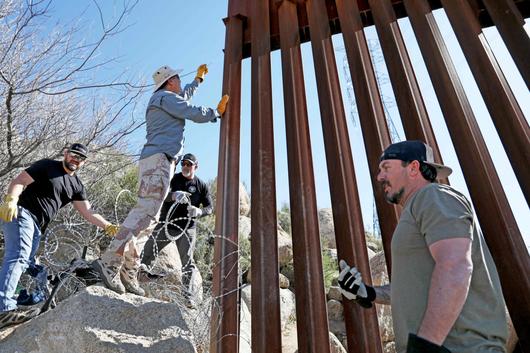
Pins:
<point x="352" y="286"/>
<point x="180" y="196"/>
<point x="194" y="212"/>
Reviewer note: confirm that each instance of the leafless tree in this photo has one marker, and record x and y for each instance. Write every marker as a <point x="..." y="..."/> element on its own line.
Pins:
<point x="51" y="88"/>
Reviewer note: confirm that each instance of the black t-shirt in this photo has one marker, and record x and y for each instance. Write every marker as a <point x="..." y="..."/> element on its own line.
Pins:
<point x="200" y="195"/>
<point x="52" y="189"/>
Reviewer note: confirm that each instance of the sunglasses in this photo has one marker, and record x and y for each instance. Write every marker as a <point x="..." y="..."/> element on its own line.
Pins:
<point x="186" y="164"/>
<point x="77" y="157"/>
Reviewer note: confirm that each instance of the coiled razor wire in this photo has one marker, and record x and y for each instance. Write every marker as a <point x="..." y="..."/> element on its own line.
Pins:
<point x="65" y="242"/>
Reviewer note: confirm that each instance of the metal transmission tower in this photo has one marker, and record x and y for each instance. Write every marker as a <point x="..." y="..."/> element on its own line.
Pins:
<point x="387" y="102"/>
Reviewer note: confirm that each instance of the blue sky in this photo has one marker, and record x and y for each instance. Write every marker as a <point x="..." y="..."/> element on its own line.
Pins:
<point x="185" y="34"/>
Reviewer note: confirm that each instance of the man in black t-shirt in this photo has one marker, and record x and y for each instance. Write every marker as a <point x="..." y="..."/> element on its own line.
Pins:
<point x="180" y="209"/>
<point x="33" y="199"/>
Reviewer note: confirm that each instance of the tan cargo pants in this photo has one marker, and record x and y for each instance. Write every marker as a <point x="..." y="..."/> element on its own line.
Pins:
<point x="155" y="173"/>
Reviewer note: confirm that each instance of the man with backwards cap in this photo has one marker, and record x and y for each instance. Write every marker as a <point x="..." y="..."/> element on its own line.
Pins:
<point x="445" y="292"/>
<point x="33" y="199"/>
<point x="166" y="115"/>
<point x="189" y="193"/>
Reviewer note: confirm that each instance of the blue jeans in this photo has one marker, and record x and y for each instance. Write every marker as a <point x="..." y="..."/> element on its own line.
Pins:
<point x="21" y="237"/>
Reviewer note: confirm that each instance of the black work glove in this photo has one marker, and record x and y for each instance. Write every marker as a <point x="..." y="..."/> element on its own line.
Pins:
<point x="419" y="345"/>
<point x="352" y="286"/>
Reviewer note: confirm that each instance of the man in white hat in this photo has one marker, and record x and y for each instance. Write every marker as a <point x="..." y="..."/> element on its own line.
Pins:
<point x="166" y="115"/>
<point x="445" y="292"/>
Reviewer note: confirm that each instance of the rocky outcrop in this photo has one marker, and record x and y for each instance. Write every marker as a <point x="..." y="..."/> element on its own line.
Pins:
<point x="244" y="227"/>
<point x="384" y="312"/>
<point x="98" y="320"/>
<point x="327" y="228"/>
<point x="335" y="345"/>
<point x="167" y="287"/>
<point x="285" y="248"/>
<point x="245" y="329"/>
<point x="244" y="201"/>
<point x="287" y="304"/>
<point x="167" y="261"/>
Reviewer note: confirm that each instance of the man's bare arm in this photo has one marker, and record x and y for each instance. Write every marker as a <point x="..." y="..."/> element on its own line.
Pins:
<point x="18" y="184"/>
<point x="84" y="208"/>
<point x="382" y="294"/>
<point x="449" y="287"/>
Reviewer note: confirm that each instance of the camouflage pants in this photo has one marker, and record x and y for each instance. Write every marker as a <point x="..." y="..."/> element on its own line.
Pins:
<point x="155" y="173"/>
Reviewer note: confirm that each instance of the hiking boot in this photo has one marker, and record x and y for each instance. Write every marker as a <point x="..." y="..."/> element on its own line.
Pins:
<point x="129" y="278"/>
<point x="109" y="275"/>
<point x="17" y="316"/>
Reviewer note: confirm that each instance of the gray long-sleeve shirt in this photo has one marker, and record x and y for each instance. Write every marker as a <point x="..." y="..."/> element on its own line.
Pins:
<point x="165" y="118"/>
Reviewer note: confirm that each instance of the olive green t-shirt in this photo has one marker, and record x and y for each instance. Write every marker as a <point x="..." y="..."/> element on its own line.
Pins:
<point x="433" y="213"/>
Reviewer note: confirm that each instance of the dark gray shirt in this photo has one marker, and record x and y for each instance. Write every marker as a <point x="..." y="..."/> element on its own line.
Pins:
<point x="433" y="213"/>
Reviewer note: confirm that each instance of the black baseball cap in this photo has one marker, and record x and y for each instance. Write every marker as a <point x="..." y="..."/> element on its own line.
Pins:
<point x="79" y="148"/>
<point x="190" y="157"/>
<point x="415" y="151"/>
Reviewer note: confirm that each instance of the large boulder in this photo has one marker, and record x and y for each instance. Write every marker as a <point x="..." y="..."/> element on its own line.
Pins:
<point x="287" y="304"/>
<point x="327" y="228"/>
<point x="287" y="307"/>
<point x="169" y="286"/>
<point x="285" y="242"/>
<point x="246" y="295"/>
<point x="285" y="248"/>
<point x="335" y="310"/>
<point x="245" y="329"/>
<point x="244" y="201"/>
<point x="284" y="282"/>
<point x="168" y="260"/>
<point x="334" y="293"/>
<point x="98" y="320"/>
<point x="384" y="312"/>
<point x="244" y="227"/>
<point x="290" y="343"/>
<point x="335" y="345"/>
<point x="378" y="269"/>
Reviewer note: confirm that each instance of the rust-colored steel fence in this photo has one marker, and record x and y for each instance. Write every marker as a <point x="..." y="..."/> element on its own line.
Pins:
<point x="254" y="28"/>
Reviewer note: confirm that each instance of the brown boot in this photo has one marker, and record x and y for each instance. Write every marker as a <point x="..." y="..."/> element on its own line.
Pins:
<point x="109" y="275"/>
<point x="129" y="278"/>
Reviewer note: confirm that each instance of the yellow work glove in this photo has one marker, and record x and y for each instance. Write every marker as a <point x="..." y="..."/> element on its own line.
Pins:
<point x="111" y="229"/>
<point x="221" y="107"/>
<point x="201" y="72"/>
<point x="8" y="208"/>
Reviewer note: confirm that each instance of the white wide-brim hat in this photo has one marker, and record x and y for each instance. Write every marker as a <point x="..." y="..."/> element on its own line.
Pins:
<point x="163" y="74"/>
